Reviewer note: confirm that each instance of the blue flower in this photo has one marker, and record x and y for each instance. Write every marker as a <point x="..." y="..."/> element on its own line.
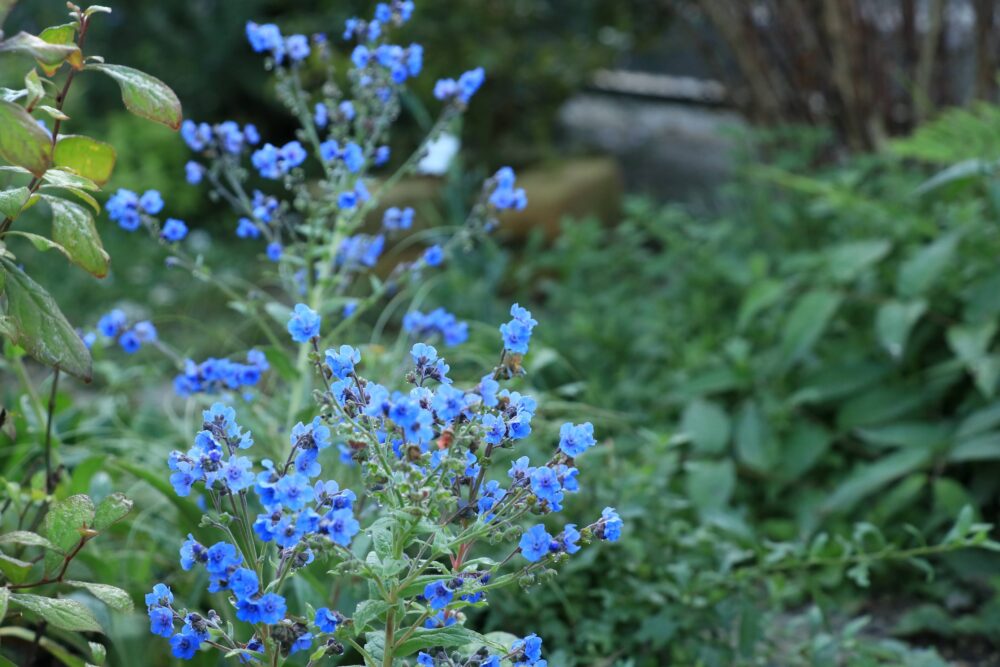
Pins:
<point x="535" y="543"/>
<point x="222" y="556"/>
<point x="610" y="526"/>
<point x="361" y="56"/>
<point x="575" y="440"/>
<point x="434" y="255"/>
<point x="424" y="660"/>
<point x="354" y="157"/>
<point x="194" y="172"/>
<point x="129" y="342"/>
<point x="302" y="643"/>
<point x="265" y="38"/>
<point x="160" y="597"/>
<point x="243" y="583"/>
<point x="293" y="491"/>
<point x="297" y="47"/>
<point x="246" y="229"/>
<point x="185" y="644"/>
<point x="326" y="620"/>
<point x="237" y="473"/>
<point x="304" y="324"/>
<point x="382" y="154"/>
<point x="161" y="621"/>
<point x="268" y="609"/>
<point x="462" y="90"/>
<point x="191" y="552"/>
<point x="569" y="538"/>
<point x="438" y="594"/>
<point x="340" y="526"/>
<point x="517" y="333"/>
<point x="529" y="648"/>
<point x="496" y="430"/>
<point x="173" y="230"/>
<point x="342" y="361"/>
<point x="123" y="208"/>
<point x="545" y="484"/>
<point x="151" y="202"/>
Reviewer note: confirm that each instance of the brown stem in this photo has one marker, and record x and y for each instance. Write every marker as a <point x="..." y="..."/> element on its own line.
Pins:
<point x="62" y="571"/>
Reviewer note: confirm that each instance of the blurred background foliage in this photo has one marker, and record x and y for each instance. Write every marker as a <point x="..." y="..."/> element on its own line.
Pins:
<point x="795" y="385"/>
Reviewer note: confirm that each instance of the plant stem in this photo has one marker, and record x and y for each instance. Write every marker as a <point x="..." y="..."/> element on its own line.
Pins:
<point x="48" y="433"/>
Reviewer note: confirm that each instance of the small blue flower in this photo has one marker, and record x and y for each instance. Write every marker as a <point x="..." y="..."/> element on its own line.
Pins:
<point x="304" y="324"/>
<point x="297" y="47"/>
<point x="340" y="526"/>
<point x="185" y="644"/>
<point x="610" y="526"/>
<point x="496" y="429"/>
<point x="535" y="543"/>
<point x="151" y="202"/>
<point x="434" y="255"/>
<point x="326" y="620"/>
<point x="438" y="594"/>
<point x="161" y="621"/>
<point x="160" y="597"/>
<point x="576" y="439"/>
<point x="129" y="342"/>
<point x="194" y="172"/>
<point x="530" y="648"/>
<point x="191" y="552"/>
<point x="173" y="230"/>
<point x="246" y="229"/>
<point x="237" y="473"/>
<point x="112" y="323"/>
<point x="243" y="583"/>
<point x="342" y="361"/>
<point x="545" y="484"/>
<point x="274" y="251"/>
<point x="302" y="643"/>
<point x="222" y="556"/>
<point x="569" y="538"/>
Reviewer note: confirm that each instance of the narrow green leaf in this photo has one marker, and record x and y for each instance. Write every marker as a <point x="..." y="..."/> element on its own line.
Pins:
<point x="22" y="141"/>
<point x="63" y="614"/>
<point x="449" y="637"/>
<point x="34" y="87"/>
<point x="12" y="201"/>
<point x="98" y="653"/>
<point x="144" y="95"/>
<point x="869" y="478"/>
<point x="922" y="270"/>
<point x="73" y="228"/>
<point x="85" y="156"/>
<point x="37" y="325"/>
<point x="111" y="510"/>
<point x="82" y="194"/>
<point x="893" y="324"/>
<point x="806" y="323"/>
<point x="4" y="599"/>
<point x="112" y="596"/>
<point x="49" y="49"/>
<point x="754" y="440"/>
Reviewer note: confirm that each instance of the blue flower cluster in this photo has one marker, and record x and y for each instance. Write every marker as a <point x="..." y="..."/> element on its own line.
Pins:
<point x="461" y="91"/>
<point x="273" y="162"/>
<point x="396" y="219"/>
<point x="226" y="138"/>
<point x="126" y="207"/>
<point x="214" y="375"/>
<point x="299" y="513"/>
<point x="267" y="38"/>
<point x="505" y="196"/>
<point x="517" y="333"/>
<point x="130" y="337"/>
<point x="437" y="322"/>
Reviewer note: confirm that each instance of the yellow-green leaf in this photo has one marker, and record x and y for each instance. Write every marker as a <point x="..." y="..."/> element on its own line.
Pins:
<point x="86" y="157"/>
<point x="73" y="228"/>
<point x="144" y="95"/>
<point x="12" y="201"/>
<point x="50" y="55"/>
<point x="22" y="141"/>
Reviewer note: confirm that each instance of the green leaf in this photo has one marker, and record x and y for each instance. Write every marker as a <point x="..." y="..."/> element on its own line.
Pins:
<point x="14" y="569"/>
<point x="22" y="142"/>
<point x="754" y="441"/>
<point x="112" y="596"/>
<point x="25" y="538"/>
<point x="66" y="518"/>
<point x="759" y="298"/>
<point x="37" y="325"/>
<point x="381" y="532"/>
<point x="144" y="95"/>
<point x="67" y="179"/>
<point x="4" y="599"/>
<point x="34" y="87"/>
<point x="806" y="323"/>
<point x="63" y="614"/>
<point x="848" y="260"/>
<point x="12" y="201"/>
<point x="710" y="484"/>
<point x="868" y="478"/>
<point x="366" y="612"/>
<point x="111" y="510"/>
<point x="50" y="49"/>
<point x="803" y="448"/>
<point x="921" y="271"/>
<point x="893" y="324"/>
<point x="86" y="157"/>
<point x="970" y="344"/>
<point x="708" y="426"/>
<point x="73" y="228"/>
<point x="455" y="635"/>
<point x="982" y="447"/>
<point x="98" y="653"/>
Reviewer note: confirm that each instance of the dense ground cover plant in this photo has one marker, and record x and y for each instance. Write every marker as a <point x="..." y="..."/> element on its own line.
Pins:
<point x="434" y="517"/>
